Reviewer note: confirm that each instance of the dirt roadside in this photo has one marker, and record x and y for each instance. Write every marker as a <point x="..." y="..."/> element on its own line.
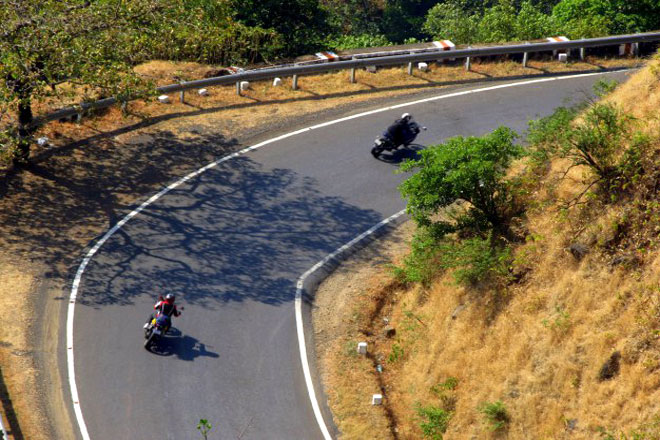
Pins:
<point x="52" y="210"/>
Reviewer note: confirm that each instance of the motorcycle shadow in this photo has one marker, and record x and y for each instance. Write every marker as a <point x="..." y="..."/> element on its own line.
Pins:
<point x="184" y="347"/>
<point x="401" y="154"/>
<point x="165" y="345"/>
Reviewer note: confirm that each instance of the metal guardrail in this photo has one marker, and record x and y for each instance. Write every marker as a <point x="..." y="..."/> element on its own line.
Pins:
<point x="418" y="56"/>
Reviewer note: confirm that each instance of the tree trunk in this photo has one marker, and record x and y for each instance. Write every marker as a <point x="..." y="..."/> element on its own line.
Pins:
<point x="25" y="130"/>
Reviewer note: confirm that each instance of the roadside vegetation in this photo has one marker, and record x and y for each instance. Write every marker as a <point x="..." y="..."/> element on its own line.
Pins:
<point x="528" y="303"/>
<point x="50" y="51"/>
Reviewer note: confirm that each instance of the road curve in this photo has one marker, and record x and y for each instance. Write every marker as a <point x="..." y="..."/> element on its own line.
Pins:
<point x="231" y="244"/>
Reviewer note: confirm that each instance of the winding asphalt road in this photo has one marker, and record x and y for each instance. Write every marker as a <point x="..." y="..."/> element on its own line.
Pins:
<point x="231" y="244"/>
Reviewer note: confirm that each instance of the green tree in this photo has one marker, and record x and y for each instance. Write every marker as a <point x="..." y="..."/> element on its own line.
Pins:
<point x="403" y="19"/>
<point x="612" y="16"/>
<point x="46" y="42"/>
<point x="301" y="23"/>
<point x="499" y="23"/>
<point x="452" y="20"/>
<point x="354" y="17"/>
<point x="532" y="23"/>
<point x="472" y="170"/>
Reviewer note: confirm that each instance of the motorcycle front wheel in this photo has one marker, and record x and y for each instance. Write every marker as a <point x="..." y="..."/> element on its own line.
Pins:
<point x="147" y="343"/>
<point x="375" y="151"/>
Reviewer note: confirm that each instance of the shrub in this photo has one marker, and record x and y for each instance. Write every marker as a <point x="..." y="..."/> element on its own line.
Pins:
<point x="545" y="135"/>
<point x="449" y="385"/>
<point x="495" y="414"/>
<point x="597" y="139"/>
<point x="603" y="87"/>
<point x="435" y="421"/>
<point x="420" y="265"/>
<point x="475" y="259"/>
<point x="345" y="42"/>
<point x="396" y="354"/>
<point x="471" y="169"/>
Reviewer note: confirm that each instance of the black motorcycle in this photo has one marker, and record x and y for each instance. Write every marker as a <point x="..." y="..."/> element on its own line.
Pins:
<point x="156" y="329"/>
<point x="386" y="143"/>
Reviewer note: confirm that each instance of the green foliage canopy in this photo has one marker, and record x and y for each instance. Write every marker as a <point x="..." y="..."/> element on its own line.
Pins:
<point x="45" y="42"/>
<point x="301" y="23"/>
<point x="471" y="169"/>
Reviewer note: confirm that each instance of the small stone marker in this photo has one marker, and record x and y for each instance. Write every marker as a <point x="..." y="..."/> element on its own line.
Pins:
<point x="423" y="67"/>
<point x="203" y="92"/>
<point x="370" y="69"/>
<point x="277" y="82"/>
<point x="377" y="399"/>
<point x="245" y="85"/>
<point x="362" y="348"/>
<point x="164" y="99"/>
<point x="563" y="58"/>
<point x="42" y="141"/>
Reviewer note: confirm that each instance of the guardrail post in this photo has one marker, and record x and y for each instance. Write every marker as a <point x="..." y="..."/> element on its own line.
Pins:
<point x="353" y="75"/>
<point x="295" y="82"/>
<point x="468" y="62"/>
<point x="182" y="95"/>
<point x="238" y="88"/>
<point x="410" y="68"/>
<point x="582" y="53"/>
<point x="525" y="59"/>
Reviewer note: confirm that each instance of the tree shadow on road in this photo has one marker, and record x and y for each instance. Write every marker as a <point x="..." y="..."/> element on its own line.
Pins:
<point x="50" y="211"/>
<point x="237" y="232"/>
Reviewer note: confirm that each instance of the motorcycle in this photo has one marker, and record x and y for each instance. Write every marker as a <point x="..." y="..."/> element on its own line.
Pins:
<point x="156" y="329"/>
<point x="386" y="143"/>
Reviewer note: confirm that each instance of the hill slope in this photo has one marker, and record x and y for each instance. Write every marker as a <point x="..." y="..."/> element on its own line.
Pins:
<point x="570" y="349"/>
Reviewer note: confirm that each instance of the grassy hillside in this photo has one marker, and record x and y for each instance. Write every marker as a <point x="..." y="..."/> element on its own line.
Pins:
<point x="566" y="347"/>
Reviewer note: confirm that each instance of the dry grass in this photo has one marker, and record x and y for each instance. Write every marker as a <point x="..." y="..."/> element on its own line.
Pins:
<point x="263" y="101"/>
<point x="223" y="113"/>
<point x="539" y="346"/>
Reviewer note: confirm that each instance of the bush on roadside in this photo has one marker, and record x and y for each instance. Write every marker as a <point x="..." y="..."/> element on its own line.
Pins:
<point x="604" y="142"/>
<point x="435" y="421"/>
<point x="464" y="169"/>
<point x="347" y="42"/>
<point x="475" y="260"/>
<point x="495" y="414"/>
<point x="545" y="135"/>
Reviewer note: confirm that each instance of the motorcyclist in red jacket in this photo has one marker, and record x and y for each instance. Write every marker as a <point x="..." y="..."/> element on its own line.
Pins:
<point x="166" y="307"/>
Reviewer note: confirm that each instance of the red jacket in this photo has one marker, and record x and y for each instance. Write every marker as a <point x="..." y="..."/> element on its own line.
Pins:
<point x="166" y="308"/>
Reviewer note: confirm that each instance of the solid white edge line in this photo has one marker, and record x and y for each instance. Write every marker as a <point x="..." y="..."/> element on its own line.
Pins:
<point x="300" y="286"/>
<point x="303" y="354"/>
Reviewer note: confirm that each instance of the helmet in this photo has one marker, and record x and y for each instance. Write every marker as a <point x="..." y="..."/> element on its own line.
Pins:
<point x="406" y="116"/>
<point x="169" y="298"/>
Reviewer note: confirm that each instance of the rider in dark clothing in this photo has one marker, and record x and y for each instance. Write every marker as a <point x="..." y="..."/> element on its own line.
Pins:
<point x="397" y="131"/>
